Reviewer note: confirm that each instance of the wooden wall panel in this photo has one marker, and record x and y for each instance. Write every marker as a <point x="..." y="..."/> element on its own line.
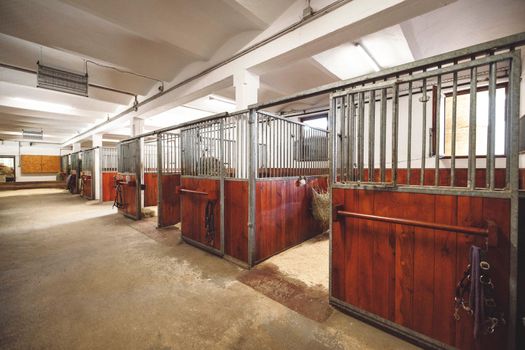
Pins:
<point x="150" y="190"/>
<point x="193" y="209"/>
<point x="283" y="215"/>
<point x="38" y="164"/>
<point x="170" y="210"/>
<point x="236" y="219"/>
<point x="444" y="177"/>
<point x="108" y="186"/>
<point x="414" y="271"/>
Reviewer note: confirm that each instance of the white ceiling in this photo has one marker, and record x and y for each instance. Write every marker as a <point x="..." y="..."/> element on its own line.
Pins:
<point x="162" y="38"/>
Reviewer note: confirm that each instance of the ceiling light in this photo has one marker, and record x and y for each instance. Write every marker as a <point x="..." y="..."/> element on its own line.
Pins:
<point x="110" y="140"/>
<point x="366" y="55"/>
<point x="41" y="105"/>
<point x="221" y="99"/>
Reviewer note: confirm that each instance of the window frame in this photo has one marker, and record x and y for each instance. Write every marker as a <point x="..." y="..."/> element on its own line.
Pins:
<point x="465" y="91"/>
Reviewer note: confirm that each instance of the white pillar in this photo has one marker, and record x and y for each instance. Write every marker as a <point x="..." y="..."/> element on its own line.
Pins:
<point x="97" y="176"/>
<point x="246" y="93"/>
<point x="246" y="88"/>
<point x="76" y="147"/>
<point x="137" y="126"/>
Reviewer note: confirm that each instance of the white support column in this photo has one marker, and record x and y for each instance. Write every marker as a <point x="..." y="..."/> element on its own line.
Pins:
<point x="246" y="88"/>
<point x="97" y="176"/>
<point x="246" y="93"/>
<point x="76" y="147"/>
<point x="137" y="126"/>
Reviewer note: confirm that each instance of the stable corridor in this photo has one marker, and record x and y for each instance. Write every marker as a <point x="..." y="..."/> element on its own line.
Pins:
<point x="76" y="275"/>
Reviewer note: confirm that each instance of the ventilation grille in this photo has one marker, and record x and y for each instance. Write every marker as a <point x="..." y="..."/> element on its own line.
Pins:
<point x="32" y="135"/>
<point x="61" y="80"/>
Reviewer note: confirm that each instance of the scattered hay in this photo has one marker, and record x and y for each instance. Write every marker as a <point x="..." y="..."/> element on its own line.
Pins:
<point x="321" y="207"/>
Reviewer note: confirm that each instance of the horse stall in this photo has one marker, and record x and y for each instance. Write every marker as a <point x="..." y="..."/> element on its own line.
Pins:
<point x="87" y="174"/>
<point x="150" y="173"/>
<point x="169" y="173"/>
<point x="128" y="179"/>
<point x="419" y="187"/>
<point x="73" y="182"/>
<point x="65" y="166"/>
<point x="109" y="161"/>
<point x="246" y="184"/>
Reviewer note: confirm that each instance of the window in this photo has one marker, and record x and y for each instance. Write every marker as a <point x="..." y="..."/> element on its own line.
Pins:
<point x="462" y="123"/>
<point x="316" y="121"/>
<point x="7" y="169"/>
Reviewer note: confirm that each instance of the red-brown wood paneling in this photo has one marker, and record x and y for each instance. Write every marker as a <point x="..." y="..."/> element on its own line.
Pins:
<point x="444" y="177"/>
<point x="150" y="189"/>
<point x="108" y="186"/>
<point x="193" y="209"/>
<point x="169" y="211"/>
<point x="283" y="215"/>
<point x="87" y="187"/>
<point x="129" y="196"/>
<point x="408" y="274"/>
<point x="236" y="219"/>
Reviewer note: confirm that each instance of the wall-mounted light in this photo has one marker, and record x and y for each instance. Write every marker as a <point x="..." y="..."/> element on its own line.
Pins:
<point x="367" y="56"/>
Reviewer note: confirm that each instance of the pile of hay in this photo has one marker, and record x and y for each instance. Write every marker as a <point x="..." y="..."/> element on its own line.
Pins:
<point x="321" y="207"/>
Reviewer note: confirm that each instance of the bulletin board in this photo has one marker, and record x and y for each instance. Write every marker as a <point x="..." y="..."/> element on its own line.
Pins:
<point x="38" y="164"/>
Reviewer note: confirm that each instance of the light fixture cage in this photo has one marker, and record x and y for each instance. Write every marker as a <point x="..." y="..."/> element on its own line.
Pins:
<point x="61" y="80"/>
<point x="33" y="134"/>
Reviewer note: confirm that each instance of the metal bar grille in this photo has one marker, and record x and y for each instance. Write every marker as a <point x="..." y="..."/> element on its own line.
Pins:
<point x="425" y="148"/>
<point x="170" y="153"/>
<point x="109" y="159"/>
<point x="150" y="156"/>
<point x="288" y="148"/>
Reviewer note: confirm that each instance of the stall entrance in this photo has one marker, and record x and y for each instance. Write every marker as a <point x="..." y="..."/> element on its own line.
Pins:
<point x="73" y="180"/>
<point x="128" y="182"/>
<point x="149" y="177"/>
<point x="405" y="216"/>
<point x="109" y="160"/>
<point x="87" y="174"/>
<point x="169" y="173"/>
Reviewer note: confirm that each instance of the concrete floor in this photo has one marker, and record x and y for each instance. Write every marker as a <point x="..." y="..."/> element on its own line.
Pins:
<point x="76" y="275"/>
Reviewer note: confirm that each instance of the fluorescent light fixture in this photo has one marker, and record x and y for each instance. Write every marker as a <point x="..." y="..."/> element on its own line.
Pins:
<point x="221" y="99"/>
<point x="26" y="103"/>
<point x="367" y="56"/>
<point x="110" y="140"/>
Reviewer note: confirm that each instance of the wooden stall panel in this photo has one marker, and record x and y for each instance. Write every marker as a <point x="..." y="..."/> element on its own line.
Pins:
<point x="108" y="186"/>
<point x="283" y="216"/>
<point x="129" y="197"/>
<point x="150" y="190"/>
<point x="170" y="210"/>
<point x="87" y="189"/>
<point x="193" y="210"/>
<point x="236" y="219"/>
<point x="408" y="274"/>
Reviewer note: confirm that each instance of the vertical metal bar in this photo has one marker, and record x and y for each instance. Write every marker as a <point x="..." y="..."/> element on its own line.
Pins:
<point x="437" y="132"/>
<point x="472" y="129"/>
<point x="252" y="183"/>
<point x="361" y="136"/>
<point x="159" y="180"/>
<point x="395" y="117"/>
<point x="371" y="134"/>
<point x="332" y="144"/>
<point x="347" y="156"/>
<point x="454" y="128"/>
<point x="423" y="132"/>
<point x="382" y="135"/>
<point x="221" y="181"/>
<point x="514" y="94"/>
<point x="409" y="137"/>
<point x="491" y="132"/>
<point x="351" y="137"/>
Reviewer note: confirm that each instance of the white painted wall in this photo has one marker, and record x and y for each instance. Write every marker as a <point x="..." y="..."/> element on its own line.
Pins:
<point x="9" y="148"/>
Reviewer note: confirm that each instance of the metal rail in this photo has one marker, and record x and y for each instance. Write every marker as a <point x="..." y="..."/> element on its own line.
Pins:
<point x="201" y="193"/>
<point x="475" y="231"/>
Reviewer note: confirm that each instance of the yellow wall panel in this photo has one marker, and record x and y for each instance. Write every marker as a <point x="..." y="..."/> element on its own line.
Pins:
<point x="37" y="164"/>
